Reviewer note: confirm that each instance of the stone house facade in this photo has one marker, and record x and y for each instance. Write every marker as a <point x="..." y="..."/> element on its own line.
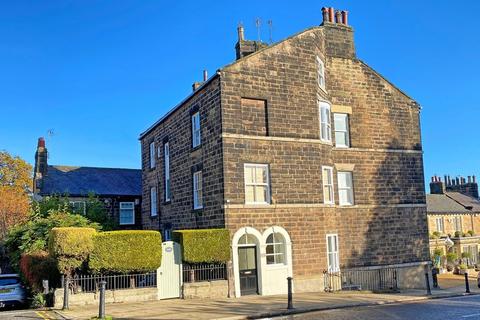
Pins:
<point x="454" y="214"/>
<point x="308" y="156"/>
<point x="118" y="189"/>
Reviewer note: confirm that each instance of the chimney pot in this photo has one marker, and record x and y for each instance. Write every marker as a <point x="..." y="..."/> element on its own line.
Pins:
<point x="331" y="15"/>
<point x="325" y="14"/>
<point x="469" y="179"/>
<point x="345" y="17"/>
<point x="240" y="32"/>
<point x="41" y="143"/>
<point x="474" y="179"/>
<point x="338" y="17"/>
<point x="205" y="75"/>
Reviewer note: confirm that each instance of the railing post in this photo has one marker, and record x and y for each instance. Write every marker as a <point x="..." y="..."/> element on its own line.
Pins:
<point x="435" y="277"/>
<point x="65" y="292"/>
<point x="290" y="298"/>
<point x="467" y="285"/>
<point x="101" y="307"/>
<point x="429" y="291"/>
<point x="192" y="275"/>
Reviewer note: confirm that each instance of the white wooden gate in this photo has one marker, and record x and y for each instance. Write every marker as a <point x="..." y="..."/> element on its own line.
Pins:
<point x="169" y="275"/>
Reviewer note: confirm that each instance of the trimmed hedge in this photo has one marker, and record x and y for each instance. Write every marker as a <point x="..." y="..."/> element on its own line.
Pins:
<point x="71" y="247"/>
<point x="204" y="245"/>
<point x="126" y="251"/>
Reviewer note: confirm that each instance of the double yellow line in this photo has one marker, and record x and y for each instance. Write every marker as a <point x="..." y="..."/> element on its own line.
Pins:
<point x="44" y="315"/>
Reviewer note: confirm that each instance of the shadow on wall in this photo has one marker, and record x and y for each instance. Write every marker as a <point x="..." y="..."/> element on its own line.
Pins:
<point x="396" y="231"/>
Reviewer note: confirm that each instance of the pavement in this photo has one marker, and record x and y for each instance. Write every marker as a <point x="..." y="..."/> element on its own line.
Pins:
<point x="467" y="308"/>
<point x="256" y="307"/>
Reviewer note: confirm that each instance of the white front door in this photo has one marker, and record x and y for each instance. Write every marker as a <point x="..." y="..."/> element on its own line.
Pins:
<point x="169" y="275"/>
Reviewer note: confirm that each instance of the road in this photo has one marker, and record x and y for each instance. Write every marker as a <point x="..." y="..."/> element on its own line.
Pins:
<point x="27" y="314"/>
<point x="459" y="308"/>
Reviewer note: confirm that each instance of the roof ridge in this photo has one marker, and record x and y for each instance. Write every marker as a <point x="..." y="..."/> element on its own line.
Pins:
<point x="109" y="168"/>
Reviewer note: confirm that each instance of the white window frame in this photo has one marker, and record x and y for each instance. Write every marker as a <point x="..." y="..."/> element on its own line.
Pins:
<point x="196" y="130"/>
<point x="439" y="224"/>
<point x="276" y="254"/>
<point x="348" y="189"/>
<point x="132" y="220"/>
<point x="321" y="73"/>
<point x="346" y="117"/>
<point x="333" y="266"/>
<point x="152" y="154"/>
<point x="459" y="219"/>
<point x="254" y="184"/>
<point x="153" y="202"/>
<point x="325" y="121"/>
<point x="197" y="190"/>
<point x="84" y="205"/>
<point x="331" y="186"/>
<point x="166" y="160"/>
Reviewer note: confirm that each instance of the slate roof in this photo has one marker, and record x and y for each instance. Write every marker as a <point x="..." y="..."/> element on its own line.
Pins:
<point x="467" y="201"/>
<point x="452" y="202"/>
<point x="79" y="181"/>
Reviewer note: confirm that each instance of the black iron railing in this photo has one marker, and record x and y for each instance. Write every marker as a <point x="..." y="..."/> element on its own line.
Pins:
<point x="91" y="283"/>
<point x="376" y="280"/>
<point x="204" y="272"/>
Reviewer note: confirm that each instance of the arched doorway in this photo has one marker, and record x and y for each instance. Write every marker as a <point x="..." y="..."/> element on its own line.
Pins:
<point x="246" y="261"/>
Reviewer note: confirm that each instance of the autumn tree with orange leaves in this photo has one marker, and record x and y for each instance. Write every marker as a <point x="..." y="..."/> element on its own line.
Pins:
<point x="15" y="186"/>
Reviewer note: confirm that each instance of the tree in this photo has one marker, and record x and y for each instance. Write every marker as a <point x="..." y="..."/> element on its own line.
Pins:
<point x="15" y="186"/>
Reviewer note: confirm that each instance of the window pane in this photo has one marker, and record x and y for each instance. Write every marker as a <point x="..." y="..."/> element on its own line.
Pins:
<point x="249" y="193"/>
<point x="260" y="194"/>
<point x="269" y="249"/>
<point x="343" y="180"/>
<point x="249" y="174"/>
<point x="270" y="259"/>
<point x="341" y="138"/>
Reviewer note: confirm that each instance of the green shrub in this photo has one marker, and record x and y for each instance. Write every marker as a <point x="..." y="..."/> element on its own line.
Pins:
<point x="452" y="256"/>
<point x="204" y="245"/>
<point x="458" y="234"/>
<point x="471" y="233"/>
<point x="38" y="301"/>
<point x="462" y="266"/>
<point x="126" y="251"/>
<point x="71" y="247"/>
<point x="437" y="252"/>
<point x="436" y="235"/>
<point x="466" y="255"/>
<point x="38" y="266"/>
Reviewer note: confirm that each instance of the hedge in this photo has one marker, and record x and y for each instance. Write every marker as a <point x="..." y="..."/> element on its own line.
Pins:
<point x="125" y="251"/>
<point x="71" y="246"/>
<point x="204" y="245"/>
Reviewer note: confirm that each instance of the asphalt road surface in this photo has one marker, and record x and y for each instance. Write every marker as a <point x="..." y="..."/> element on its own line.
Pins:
<point x="459" y="308"/>
<point x="27" y="314"/>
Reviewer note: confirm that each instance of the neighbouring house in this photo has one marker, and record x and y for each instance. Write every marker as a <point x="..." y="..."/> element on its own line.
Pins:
<point x="455" y="215"/>
<point x="119" y="189"/>
<point x="310" y="158"/>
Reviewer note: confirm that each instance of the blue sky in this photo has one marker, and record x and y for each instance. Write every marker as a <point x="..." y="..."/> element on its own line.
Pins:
<point x="100" y="72"/>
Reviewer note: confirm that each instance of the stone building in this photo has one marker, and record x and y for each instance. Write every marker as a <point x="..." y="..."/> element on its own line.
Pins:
<point x="310" y="158"/>
<point x="118" y="189"/>
<point x="454" y="214"/>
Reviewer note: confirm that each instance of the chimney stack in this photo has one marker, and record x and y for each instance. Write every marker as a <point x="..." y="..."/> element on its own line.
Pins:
<point x="245" y="47"/>
<point x="198" y="84"/>
<point x="437" y="186"/>
<point x="41" y="165"/>
<point x="338" y="34"/>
